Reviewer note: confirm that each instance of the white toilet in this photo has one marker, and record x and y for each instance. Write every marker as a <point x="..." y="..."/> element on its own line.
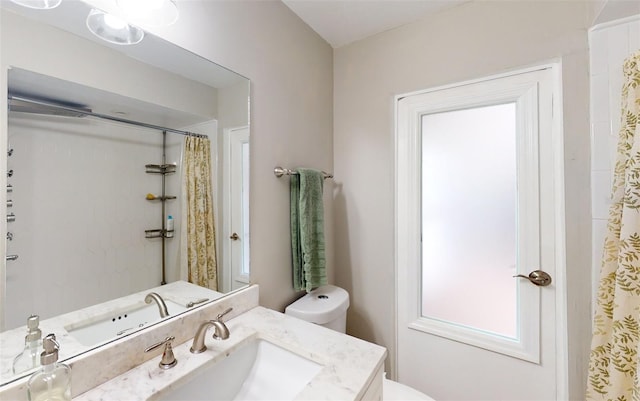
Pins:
<point x="327" y="306"/>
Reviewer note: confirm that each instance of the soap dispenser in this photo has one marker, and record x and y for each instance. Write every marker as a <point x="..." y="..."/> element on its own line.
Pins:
<point x="53" y="381"/>
<point x="30" y="356"/>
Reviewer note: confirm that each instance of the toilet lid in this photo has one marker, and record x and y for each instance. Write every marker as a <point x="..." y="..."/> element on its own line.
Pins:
<point x="321" y="305"/>
<point x="394" y="391"/>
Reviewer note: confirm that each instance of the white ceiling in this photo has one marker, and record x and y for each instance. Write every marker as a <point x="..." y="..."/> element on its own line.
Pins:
<point x="341" y="22"/>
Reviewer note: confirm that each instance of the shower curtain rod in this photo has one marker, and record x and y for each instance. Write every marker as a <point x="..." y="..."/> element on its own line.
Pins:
<point x="104" y="116"/>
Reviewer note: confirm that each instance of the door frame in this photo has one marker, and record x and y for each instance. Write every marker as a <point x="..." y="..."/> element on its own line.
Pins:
<point x="404" y="182"/>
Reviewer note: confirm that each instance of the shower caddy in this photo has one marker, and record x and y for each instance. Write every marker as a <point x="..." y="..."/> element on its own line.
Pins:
<point x="162" y="169"/>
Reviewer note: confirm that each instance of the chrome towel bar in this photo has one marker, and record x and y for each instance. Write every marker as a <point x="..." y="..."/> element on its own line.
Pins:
<point x="280" y="171"/>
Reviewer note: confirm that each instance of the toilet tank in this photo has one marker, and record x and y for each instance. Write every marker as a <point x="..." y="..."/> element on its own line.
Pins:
<point x="326" y="306"/>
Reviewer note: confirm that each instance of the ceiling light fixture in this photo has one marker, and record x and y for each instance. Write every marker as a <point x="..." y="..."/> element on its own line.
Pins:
<point x="113" y="29"/>
<point x="38" y="4"/>
<point x="152" y="13"/>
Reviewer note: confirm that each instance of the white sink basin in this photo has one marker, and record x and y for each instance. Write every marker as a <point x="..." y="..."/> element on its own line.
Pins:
<point x="258" y="370"/>
<point x="118" y="324"/>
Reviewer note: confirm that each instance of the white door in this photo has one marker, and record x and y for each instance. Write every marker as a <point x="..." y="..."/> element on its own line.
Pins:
<point x="479" y="172"/>
<point x="237" y="207"/>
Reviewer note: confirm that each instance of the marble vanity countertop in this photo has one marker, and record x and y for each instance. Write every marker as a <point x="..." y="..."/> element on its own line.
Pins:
<point x="349" y="365"/>
<point x="12" y="341"/>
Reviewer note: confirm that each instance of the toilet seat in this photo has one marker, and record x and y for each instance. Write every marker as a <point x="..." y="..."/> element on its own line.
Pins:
<point x="394" y="391"/>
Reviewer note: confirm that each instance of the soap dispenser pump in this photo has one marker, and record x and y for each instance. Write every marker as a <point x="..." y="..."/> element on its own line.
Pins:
<point x="29" y="358"/>
<point x="53" y="381"/>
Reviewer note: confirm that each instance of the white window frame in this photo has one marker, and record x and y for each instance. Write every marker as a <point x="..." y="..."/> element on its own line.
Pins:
<point x="521" y="87"/>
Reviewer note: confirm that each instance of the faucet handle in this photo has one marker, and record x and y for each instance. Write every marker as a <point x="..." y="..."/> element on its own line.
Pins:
<point x="223" y="313"/>
<point x="168" y="359"/>
<point x="221" y="331"/>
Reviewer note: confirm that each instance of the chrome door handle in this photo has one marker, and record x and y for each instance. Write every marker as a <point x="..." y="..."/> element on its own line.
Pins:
<point x="537" y="277"/>
<point x="235" y="236"/>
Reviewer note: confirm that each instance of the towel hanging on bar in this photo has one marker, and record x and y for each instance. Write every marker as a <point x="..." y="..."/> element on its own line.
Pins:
<point x="307" y="230"/>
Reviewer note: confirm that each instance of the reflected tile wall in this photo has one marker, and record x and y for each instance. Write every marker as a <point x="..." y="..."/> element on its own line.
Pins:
<point x="79" y="199"/>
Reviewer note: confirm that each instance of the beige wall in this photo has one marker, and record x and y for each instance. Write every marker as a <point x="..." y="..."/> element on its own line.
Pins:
<point x="290" y="68"/>
<point x="470" y="41"/>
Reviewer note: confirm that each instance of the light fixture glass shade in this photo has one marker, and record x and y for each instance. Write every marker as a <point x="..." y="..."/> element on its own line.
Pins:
<point x="113" y="29"/>
<point x="38" y="4"/>
<point x="152" y="13"/>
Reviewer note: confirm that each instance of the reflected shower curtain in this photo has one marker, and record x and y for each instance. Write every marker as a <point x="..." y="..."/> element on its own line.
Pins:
<point x="613" y="364"/>
<point x="198" y="235"/>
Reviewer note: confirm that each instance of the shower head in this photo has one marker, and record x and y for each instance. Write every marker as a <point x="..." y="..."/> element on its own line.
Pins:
<point x="47" y="107"/>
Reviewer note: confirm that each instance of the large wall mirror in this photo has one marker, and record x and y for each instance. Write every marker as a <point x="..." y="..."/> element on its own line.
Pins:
<point x="98" y="181"/>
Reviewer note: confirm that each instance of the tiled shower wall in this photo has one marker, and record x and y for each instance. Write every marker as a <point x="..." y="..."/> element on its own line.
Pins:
<point x="610" y="45"/>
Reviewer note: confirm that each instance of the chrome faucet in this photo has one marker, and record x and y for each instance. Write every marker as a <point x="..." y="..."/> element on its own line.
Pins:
<point x="221" y="332"/>
<point x="152" y="296"/>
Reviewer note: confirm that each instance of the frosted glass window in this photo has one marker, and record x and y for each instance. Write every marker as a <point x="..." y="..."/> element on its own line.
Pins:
<point x="469" y="201"/>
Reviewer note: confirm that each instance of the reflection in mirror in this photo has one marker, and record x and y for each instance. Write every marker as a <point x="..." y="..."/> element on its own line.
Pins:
<point x="101" y="203"/>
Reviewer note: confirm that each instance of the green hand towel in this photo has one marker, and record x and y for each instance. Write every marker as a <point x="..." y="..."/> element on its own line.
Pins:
<point x="307" y="230"/>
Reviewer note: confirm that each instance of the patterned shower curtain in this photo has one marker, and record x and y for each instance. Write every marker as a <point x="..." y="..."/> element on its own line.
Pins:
<point x="198" y="235"/>
<point x="614" y="362"/>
